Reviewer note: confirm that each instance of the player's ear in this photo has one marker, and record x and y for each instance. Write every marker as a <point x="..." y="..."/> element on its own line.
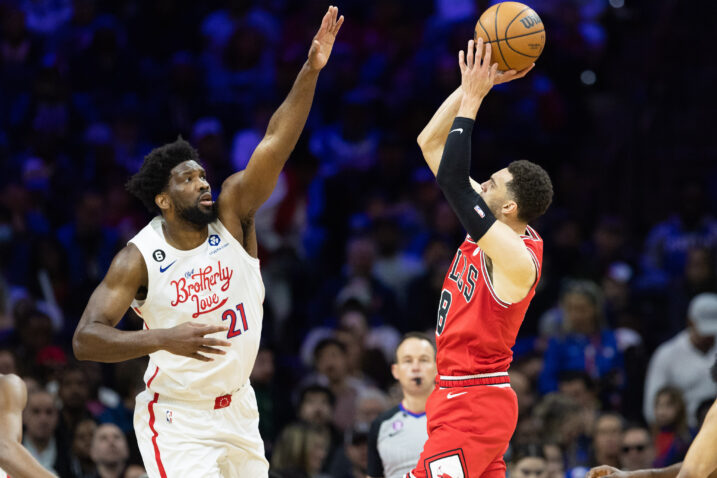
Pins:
<point x="510" y="208"/>
<point x="162" y="201"/>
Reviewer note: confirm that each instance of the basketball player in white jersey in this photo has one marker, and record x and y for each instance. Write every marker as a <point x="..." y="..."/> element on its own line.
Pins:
<point x="15" y="460"/>
<point x="193" y="276"/>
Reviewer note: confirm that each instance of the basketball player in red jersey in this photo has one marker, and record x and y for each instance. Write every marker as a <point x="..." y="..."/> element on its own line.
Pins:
<point x="192" y="274"/>
<point x="15" y="460"/>
<point x="473" y="412"/>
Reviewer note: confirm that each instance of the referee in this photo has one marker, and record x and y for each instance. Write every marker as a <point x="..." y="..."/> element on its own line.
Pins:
<point x="396" y="438"/>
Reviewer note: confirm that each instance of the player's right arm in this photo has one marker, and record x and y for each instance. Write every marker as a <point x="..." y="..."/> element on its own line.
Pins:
<point x="510" y="257"/>
<point x="14" y="458"/>
<point x="432" y="139"/>
<point x="97" y="339"/>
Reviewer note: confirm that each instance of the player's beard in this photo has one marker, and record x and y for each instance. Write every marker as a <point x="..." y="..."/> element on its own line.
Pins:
<point x="198" y="217"/>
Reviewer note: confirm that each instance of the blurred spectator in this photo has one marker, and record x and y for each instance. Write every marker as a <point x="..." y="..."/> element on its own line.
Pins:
<point x="637" y="452"/>
<point x="700" y="275"/>
<point x="578" y="386"/>
<point x="668" y="243"/>
<point x="353" y="461"/>
<point x="524" y="391"/>
<point x="316" y="408"/>
<point x="81" y="462"/>
<point x="583" y="342"/>
<point x="331" y="365"/>
<point x="300" y="452"/>
<point x="7" y="361"/>
<point x="74" y="393"/>
<point x="528" y="460"/>
<point x="672" y="436"/>
<point x="109" y="451"/>
<point x="606" y="440"/>
<point x="271" y="398"/>
<point x="555" y="461"/>
<point x="684" y="361"/>
<point x="40" y="418"/>
<point x="561" y="423"/>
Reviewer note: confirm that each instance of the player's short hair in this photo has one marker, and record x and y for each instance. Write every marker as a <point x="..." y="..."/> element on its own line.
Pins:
<point x="531" y="188"/>
<point x="153" y="176"/>
<point x="414" y="335"/>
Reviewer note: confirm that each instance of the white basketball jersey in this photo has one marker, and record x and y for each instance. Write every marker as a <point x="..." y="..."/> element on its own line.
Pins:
<point x="215" y="283"/>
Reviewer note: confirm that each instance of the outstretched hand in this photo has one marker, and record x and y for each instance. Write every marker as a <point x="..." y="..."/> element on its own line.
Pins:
<point x="477" y="74"/>
<point x="324" y="40"/>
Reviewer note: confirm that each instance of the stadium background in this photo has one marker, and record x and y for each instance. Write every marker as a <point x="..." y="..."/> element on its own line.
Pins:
<point x="357" y="237"/>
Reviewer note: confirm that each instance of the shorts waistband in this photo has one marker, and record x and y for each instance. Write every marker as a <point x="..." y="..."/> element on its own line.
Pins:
<point x="216" y="403"/>
<point x="496" y="378"/>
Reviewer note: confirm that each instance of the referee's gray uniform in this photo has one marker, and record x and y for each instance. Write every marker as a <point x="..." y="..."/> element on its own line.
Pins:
<point x="395" y="442"/>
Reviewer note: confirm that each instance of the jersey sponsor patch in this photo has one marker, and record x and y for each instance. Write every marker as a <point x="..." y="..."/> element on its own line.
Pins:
<point x="214" y="240"/>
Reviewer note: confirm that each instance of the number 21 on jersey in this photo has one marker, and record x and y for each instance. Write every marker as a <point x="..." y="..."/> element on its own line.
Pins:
<point x="232" y="316"/>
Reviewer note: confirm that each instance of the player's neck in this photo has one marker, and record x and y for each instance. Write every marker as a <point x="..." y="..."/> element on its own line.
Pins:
<point x="414" y="403"/>
<point x="183" y="235"/>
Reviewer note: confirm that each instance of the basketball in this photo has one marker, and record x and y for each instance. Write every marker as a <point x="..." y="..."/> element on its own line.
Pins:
<point x="515" y="32"/>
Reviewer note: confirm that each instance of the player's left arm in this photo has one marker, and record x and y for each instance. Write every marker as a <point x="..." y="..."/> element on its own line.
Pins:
<point x="245" y="191"/>
<point x="507" y="251"/>
<point x="701" y="459"/>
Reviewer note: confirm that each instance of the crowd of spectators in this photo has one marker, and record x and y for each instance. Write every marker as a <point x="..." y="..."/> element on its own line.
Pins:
<point x="356" y="239"/>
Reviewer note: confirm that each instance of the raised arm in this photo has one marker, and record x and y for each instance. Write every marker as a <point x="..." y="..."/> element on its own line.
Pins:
<point x="96" y="337"/>
<point x="513" y="268"/>
<point x="244" y="192"/>
<point x="14" y="458"/>
<point x="432" y="139"/>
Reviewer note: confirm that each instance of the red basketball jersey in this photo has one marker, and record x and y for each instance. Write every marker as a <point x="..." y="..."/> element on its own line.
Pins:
<point x="475" y="330"/>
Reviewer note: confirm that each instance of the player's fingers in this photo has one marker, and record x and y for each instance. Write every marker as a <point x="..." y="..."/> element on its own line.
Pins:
<point x="487" y="55"/>
<point x="461" y="61"/>
<point x="338" y="25"/>
<point x="493" y="71"/>
<point x="199" y="357"/>
<point x="211" y="350"/>
<point x="206" y="329"/>
<point x="470" y="54"/>
<point x="216" y="342"/>
<point x="525" y="71"/>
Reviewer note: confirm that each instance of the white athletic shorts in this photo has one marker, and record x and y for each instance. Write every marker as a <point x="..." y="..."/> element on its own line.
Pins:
<point x="200" y="439"/>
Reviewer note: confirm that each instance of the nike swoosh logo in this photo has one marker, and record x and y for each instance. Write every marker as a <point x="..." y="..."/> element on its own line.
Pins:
<point x="454" y="395"/>
<point x="163" y="269"/>
<point x="460" y="131"/>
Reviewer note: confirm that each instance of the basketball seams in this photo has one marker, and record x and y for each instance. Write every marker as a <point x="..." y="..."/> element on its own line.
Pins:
<point x="484" y="30"/>
<point x="497" y="37"/>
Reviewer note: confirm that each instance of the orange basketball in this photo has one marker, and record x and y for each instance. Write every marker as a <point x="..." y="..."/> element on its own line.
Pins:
<point x="515" y="33"/>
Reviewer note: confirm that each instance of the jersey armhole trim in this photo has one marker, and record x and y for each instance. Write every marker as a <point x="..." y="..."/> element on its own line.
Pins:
<point x="489" y="283"/>
<point x="230" y="237"/>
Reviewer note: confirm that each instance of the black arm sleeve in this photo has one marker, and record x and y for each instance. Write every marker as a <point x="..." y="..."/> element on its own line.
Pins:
<point x="454" y="180"/>
<point x="375" y="465"/>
